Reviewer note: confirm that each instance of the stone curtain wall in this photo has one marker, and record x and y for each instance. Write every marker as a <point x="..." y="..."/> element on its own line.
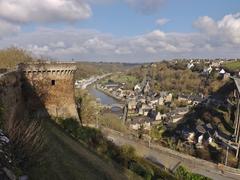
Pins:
<point x="53" y="84"/>
<point x="10" y="94"/>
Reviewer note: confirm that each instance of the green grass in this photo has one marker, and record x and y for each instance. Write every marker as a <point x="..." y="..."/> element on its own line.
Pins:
<point x="129" y="80"/>
<point x="232" y="66"/>
<point x="66" y="158"/>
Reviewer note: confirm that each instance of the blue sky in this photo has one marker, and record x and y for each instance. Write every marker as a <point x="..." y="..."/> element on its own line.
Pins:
<point x="122" y="30"/>
<point x="119" y="19"/>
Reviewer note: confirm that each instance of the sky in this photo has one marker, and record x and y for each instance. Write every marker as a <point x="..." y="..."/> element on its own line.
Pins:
<point x="122" y="30"/>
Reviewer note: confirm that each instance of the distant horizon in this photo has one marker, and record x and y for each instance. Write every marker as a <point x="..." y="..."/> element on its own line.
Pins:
<point x="135" y="31"/>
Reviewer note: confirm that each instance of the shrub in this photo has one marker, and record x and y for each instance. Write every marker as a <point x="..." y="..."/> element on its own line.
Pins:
<point x="124" y="155"/>
<point x="70" y="125"/>
<point x="183" y="174"/>
<point x="27" y="140"/>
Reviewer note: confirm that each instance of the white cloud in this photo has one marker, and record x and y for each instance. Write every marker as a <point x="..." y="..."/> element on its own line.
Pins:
<point x="38" y="50"/>
<point x="146" y="6"/>
<point x="162" y="21"/>
<point x="58" y="44"/>
<point x="156" y="34"/>
<point x="7" y="28"/>
<point x="215" y="39"/>
<point x="123" y="50"/>
<point x="226" y="30"/>
<point x="150" y="50"/>
<point x="230" y="27"/>
<point x="206" y="24"/>
<point x="24" y="11"/>
<point x="96" y="43"/>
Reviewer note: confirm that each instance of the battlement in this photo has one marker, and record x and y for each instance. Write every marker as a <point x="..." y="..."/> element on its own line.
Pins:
<point x="56" y="68"/>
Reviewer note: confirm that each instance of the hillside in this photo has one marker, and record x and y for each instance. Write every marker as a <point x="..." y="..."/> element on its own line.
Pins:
<point x="67" y="159"/>
<point x="87" y="69"/>
<point x="232" y="66"/>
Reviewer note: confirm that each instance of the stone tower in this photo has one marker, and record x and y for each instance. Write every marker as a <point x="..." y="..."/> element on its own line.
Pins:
<point x="49" y="89"/>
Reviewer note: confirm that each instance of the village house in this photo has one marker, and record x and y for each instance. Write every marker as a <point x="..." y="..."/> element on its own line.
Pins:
<point x="196" y="99"/>
<point x="169" y="98"/>
<point x="207" y="71"/>
<point x="184" y="98"/>
<point x="190" y="65"/>
<point x="144" y="110"/>
<point x="132" y="106"/>
<point x="147" y="88"/>
<point x="138" y="88"/>
<point x="160" y="117"/>
<point x="161" y="101"/>
<point x="137" y="122"/>
<point x="176" y="115"/>
<point x="216" y="64"/>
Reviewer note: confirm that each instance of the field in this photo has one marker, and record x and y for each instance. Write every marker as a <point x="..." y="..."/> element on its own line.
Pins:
<point x="129" y="80"/>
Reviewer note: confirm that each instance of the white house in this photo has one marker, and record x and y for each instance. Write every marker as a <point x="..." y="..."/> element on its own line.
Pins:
<point x="160" y="116"/>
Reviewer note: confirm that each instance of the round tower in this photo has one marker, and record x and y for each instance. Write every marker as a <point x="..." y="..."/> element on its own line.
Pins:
<point x="49" y="89"/>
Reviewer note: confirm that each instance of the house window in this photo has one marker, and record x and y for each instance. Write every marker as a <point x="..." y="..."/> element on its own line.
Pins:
<point x="53" y="82"/>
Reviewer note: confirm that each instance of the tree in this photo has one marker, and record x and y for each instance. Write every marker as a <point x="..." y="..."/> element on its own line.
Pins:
<point x="10" y="57"/>
<point x="157" y="131"/>
<point x="87" y="107"/>
<point x="140" y="131"/>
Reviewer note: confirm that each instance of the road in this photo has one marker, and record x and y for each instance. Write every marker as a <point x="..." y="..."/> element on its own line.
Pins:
<point x="87" y="82"/>
<point x="170" y="160"/>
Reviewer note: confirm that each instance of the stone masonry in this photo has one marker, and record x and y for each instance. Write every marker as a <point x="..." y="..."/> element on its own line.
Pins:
<point x="52" y="88"/>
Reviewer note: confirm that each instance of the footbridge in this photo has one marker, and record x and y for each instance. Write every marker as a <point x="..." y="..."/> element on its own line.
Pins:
<point x="117" y="105"/>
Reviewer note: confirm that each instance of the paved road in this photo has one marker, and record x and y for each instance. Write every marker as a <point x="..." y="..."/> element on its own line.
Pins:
<point x="91" y="80"/>
<point x="171" y="161"/>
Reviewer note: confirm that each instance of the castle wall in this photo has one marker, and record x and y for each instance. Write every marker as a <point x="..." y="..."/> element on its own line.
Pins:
<point x="10" y="94"/>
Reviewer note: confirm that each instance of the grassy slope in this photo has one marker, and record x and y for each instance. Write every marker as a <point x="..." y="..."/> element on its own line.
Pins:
<point x="130" y="80"/>
<point x="68" y="159"/>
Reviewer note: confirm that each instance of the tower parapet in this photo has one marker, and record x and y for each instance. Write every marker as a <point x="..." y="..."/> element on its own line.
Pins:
<point x="51" y="84"/>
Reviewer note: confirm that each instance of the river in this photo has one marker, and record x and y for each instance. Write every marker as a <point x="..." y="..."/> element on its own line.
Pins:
<point x="105" y="99"/>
